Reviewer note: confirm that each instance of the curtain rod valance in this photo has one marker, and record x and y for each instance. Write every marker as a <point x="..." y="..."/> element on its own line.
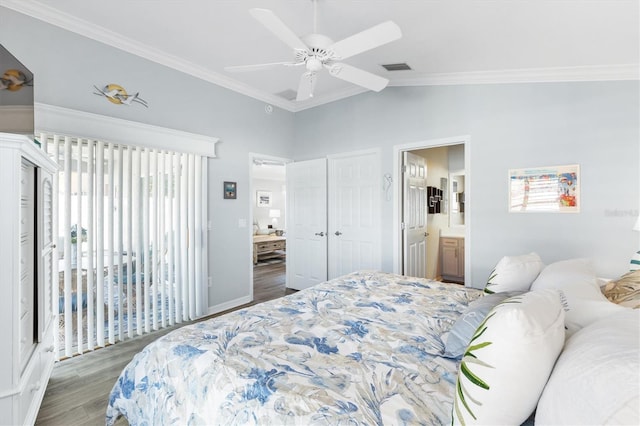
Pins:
<point x="65" y="121"/>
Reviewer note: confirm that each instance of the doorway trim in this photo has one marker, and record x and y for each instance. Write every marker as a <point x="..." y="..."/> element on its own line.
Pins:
<point x="255" y="156"/>
<point x="398" y="150"/>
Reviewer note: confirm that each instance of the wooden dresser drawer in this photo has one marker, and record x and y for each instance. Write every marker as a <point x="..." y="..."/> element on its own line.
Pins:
<point x="271" y="245"/>
<point x="452" y="242"/>
<point x="33" y="388"/>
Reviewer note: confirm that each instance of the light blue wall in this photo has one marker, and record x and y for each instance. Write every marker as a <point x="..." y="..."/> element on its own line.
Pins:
<point x="517" y="125"/>
<point x="594" y="124"/>
<point x="67" y="66"/>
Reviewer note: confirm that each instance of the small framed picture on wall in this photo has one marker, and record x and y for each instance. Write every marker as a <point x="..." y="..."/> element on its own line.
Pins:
<point x="263" y="198"/>
<point x="230" y="190"/>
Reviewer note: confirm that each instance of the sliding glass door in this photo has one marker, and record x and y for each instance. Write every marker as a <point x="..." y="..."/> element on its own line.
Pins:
<point x="129" y="222"/>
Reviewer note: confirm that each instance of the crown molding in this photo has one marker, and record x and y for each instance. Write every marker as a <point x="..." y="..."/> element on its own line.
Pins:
<point x="535" y="75"/>
<point x="530" y="75"/>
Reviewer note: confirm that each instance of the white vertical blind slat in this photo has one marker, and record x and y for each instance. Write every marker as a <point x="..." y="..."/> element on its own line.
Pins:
<point x="129" y="239"/>
<point x="184" y="217"/>
<point x="197" y="201"/>
<point x="79" y="238"/>
<point x="146" y="245"/>
<point x="137" y="219"/>
<point x="90" y="245"/>
<point x="177" y="225"/>
<point x="171" y="240"/>
<point x="55" y="230"/>
<point x="66" y="227"/>
<point x="154" y="236"/>
<point x="100" y="243"/>
<point x="110" y="242"/>
<point x="119" y="240"/>
<point x="192" y="237"/>
<point x="160" y="282"/>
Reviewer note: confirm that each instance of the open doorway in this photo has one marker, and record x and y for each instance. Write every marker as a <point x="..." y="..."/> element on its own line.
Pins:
<point x="431" y="211"/>
<point x="268" y="230"/>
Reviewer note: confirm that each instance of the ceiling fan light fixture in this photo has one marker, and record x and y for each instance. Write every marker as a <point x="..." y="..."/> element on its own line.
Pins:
<point x="314" y="64"/>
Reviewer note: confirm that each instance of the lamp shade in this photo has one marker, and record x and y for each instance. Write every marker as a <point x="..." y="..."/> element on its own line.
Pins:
<point x="274" y="212"/>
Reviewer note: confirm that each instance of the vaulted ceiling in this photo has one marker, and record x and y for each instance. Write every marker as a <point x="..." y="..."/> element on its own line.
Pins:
<point x="443" y="42"/>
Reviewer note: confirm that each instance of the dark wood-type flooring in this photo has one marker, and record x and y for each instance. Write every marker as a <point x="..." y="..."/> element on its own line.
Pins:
<point x="79" y="387"/>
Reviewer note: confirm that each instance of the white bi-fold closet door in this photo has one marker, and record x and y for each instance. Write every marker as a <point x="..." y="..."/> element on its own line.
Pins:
<point x="333" y="209"/>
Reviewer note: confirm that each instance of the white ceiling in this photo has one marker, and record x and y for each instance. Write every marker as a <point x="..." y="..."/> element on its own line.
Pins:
<point x="444" y="42"/>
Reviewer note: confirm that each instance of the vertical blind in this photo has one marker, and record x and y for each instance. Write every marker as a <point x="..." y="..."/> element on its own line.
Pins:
<point x="129" y="223"/>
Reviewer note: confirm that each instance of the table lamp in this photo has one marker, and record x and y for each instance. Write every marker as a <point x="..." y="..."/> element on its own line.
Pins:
<point x="274" y="214"/>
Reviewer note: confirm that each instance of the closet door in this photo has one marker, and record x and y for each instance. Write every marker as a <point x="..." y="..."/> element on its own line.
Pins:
<point x="306" y="223"/>
<point x="354" y="212"/>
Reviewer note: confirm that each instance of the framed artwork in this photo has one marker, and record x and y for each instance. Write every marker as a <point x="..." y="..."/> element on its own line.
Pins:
<point x="553" y="189"/>
<point x="263" y="198"/>
<point x="230" y="190"/>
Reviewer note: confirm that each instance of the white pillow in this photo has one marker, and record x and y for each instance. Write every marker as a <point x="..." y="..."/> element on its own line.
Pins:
<point x="509" y="359"/>
<point x="514" y="273"/>
<point x="583" y="301"/>
<point x="595" y="380"/>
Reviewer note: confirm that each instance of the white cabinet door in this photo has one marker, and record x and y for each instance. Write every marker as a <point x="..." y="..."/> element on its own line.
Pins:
<point x="355" y="184"/>
<point x="46" y="259"/>
<point x="414" y="215"/>
<point x="306" y="223"/>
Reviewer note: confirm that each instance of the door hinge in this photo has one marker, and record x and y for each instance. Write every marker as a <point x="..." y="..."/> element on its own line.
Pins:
<point x="402" y="226"/>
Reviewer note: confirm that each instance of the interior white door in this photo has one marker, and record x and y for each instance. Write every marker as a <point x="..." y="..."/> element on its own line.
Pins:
<point x="307" y="223"/>
<point x="354" y="212"/>
<point x="414" y="215"/>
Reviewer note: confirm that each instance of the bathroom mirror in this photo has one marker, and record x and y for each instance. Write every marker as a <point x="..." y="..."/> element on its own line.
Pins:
<point x="456" y="199"/>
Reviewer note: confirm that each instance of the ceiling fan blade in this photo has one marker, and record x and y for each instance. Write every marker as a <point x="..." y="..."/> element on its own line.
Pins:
<point x="278" y="28"/>
<point x="255" y="67"/>
<point x="366" y="40"/>
<point x="357" y="76"/>
<point x="306" y="86"/>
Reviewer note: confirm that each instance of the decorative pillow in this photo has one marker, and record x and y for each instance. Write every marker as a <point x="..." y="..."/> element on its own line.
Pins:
<point x="581" y="296"/>
<point x="514" y="273"/>
<point x="595" y="380"/>
<point x="509" y="359"/>
<point x="625" y="290"/>
<point x="464" y="327"/>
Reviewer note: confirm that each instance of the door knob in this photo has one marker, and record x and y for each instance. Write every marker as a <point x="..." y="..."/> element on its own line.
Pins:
<point x="338" y="233"/>
<point x="320" y="234"/>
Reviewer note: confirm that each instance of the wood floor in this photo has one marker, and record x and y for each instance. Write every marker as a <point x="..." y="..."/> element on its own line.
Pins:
<point x="79" y="387"/>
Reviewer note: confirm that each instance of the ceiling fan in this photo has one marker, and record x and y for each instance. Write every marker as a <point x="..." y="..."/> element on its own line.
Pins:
<point x="316" y="51"/>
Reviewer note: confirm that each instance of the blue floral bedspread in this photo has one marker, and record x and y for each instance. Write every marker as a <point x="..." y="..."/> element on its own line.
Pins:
<point x="360" y="349"/>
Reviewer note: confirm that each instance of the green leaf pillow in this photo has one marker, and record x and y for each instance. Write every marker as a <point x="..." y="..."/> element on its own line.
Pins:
<point x="509" y="359"/>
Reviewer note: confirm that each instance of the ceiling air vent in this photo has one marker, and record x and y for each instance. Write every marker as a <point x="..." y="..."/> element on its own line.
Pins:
<point x="288" y="94"/>
<point x="397" y="67"/>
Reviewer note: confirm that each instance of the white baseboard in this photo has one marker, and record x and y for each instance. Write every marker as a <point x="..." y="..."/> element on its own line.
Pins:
<point x="228" y="305"/>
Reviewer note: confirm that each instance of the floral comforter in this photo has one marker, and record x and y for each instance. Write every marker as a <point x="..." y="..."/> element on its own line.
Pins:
<point x="360" y="349"/>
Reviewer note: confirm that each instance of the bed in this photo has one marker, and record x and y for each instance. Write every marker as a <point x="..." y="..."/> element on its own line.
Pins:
<point x="365" y="348"/>
<point x="544" y="343"/>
